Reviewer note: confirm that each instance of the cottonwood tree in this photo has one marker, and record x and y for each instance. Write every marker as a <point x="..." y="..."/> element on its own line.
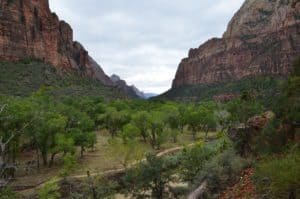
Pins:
<point x="44" y="130"/>
<point x="193" y="119"/>
<point x="157" y="124"/>
<point x="173" y="120"/>
<point x="130" y="132"/>
<point x="141" y="121"/>
<point x="114" y="120"/>
<point x="6" y="140"/>
<point x="154" y="174"/>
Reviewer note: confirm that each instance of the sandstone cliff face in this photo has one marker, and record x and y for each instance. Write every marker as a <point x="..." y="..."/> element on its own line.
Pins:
<point x="29" y="29"/>
<point x="263" y="38"/>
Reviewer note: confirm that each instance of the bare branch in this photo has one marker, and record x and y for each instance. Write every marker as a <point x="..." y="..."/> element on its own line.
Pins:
<point x="18" y="132"/>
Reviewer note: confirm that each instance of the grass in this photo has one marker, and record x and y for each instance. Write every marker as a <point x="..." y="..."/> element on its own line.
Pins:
<point x="278" y="176"/>
<point x="24" y="78"/>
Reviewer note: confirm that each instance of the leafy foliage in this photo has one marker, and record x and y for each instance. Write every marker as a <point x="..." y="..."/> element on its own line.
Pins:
<point x="23" y="79"/>
<point x="266" y="88"/>
<point x="49" y="191"/>
<point x="152" y="175"/>
<point x="278" y="177"/>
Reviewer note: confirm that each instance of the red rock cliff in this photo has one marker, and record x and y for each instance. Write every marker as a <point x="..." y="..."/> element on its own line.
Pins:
<point x="29" y="29"/>
<point x="263" y="38"/>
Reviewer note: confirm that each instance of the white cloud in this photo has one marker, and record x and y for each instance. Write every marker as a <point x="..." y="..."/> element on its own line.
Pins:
<point x="143" y="41"/>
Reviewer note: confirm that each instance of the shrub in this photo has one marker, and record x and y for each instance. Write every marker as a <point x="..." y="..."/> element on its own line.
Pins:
<point x="271" y="139"/>
<point x="69" y="161"/>
<point x="192" y="160"/>
<point x="49" y="191"/>
<point x="8" y="193"/>
<point x="279" y="177"/>
<point x="220" y="171"/>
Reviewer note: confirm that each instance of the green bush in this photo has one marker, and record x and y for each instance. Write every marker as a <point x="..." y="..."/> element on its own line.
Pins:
<point x="49" y="191"/>
<point x="8" y="193"/>
<point x="279" y="177"/>
<point x="271" y="140"/>
<point x="192" y="160"/>
<point x="221" y="171"/>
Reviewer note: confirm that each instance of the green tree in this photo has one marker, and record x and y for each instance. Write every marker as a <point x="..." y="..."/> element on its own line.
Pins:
<point x="182" y="117"/>
<point x="241" y="110"/>
<point x="63" y="144"/>
<point x="157" y="124"/>
<point x="193" y="119"/>
<point x="130" y="132"/>
<point x="15" y="116"/>
<point x="152" y="175"/>
<point x="173" y="120"/>
<point x="44" y="130"/>
<point x="192" y="160"/>
<point x="114" y="120"/>
<point x="141" y="121"/>
<point x="69" y="164"/>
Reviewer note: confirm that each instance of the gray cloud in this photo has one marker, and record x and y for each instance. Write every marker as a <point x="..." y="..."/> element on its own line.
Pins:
<point x="143" y="41"/>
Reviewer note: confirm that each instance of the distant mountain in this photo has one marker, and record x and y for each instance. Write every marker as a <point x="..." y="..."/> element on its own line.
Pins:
<point x="131" y="91"/>
<point x="149" y="95"/>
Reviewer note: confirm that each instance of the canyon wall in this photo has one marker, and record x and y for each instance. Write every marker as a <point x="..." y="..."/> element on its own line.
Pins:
<point x="28" y="29"/>
<point x="263" y="38"/>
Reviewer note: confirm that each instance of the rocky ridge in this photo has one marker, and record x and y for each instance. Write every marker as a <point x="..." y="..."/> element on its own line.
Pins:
<point x="263" y="38"/>
<point x="129" y="90"/>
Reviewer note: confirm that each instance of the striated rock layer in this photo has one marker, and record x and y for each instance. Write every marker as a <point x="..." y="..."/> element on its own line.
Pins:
<point x="29" y="29"/>
<point x="263" y="38"/>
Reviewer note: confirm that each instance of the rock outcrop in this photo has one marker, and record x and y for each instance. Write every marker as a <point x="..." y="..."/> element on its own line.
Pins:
<point x="263" y="38"/>
<point x="28" y="29"/>
<point x="245" y="136"/>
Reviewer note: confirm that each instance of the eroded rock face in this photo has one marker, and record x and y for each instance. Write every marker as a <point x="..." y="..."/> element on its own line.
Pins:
<point x="29" y="29"/>
<point x="263" y="38"/>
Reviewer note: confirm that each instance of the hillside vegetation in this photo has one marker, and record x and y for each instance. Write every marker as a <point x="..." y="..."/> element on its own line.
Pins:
<point x="24" y="78"/>
<point x="262" y="87"/>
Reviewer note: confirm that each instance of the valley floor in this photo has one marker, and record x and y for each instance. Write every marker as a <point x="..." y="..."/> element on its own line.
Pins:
<point x="100" y="162"/>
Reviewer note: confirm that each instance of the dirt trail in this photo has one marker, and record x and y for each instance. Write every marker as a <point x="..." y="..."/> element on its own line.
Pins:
<point x="104" y="173"/>
<point x="243" y="189"/>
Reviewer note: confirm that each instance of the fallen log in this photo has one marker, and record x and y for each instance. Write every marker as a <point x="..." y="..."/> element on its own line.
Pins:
<point x="199" y="192"/>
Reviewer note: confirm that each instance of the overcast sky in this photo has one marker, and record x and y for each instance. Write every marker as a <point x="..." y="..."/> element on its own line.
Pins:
<point x="143" y="41"/>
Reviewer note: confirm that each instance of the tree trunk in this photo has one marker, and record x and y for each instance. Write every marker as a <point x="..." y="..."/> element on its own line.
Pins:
<point x="194" y="135"/>
<point x="144" y="136"/>
<point x="45" y="160"/>
<point x="37" y="158"/>
<point x="206" y="135"/>
<point x="81" y="151"/>
<point x="174" y="139"/>
<point x="153" y="140"/>
<point x="199" y="192"/>
<point x="52" y="159"/>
